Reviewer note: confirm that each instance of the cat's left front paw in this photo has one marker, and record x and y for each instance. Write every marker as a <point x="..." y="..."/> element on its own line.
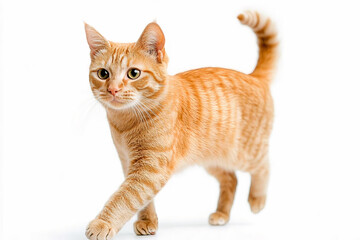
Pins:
<point x="145" y="227"/>
<point x="99" y="230"/>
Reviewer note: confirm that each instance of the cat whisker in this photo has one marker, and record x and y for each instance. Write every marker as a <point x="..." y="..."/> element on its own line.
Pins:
<point x="134" y="110"/>
<point x="142" y="117"/>
<point x="145" y="112"/>
<point x="151" y="106"/>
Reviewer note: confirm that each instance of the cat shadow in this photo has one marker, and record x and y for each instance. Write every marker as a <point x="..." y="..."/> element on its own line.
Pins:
<point x="187" y="224"/>
<point x="181" y="227"/>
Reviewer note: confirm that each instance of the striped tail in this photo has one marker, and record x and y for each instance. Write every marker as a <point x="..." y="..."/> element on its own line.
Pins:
<point x="267" y="41"/>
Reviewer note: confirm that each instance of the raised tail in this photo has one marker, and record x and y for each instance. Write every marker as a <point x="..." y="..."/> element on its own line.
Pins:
<point x="267" y="41"/>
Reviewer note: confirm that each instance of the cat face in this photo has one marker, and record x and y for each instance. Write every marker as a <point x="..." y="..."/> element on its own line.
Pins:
<point x="125" y="76"/>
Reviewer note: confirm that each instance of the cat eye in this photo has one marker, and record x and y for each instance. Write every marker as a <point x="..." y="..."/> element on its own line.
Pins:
<point x="103" y="73"/>
<point x="133" y="73"/>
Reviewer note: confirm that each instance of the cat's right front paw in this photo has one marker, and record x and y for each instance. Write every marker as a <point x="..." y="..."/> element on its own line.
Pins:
<point x="99" y="230"/>
<point x="218" y="219"/>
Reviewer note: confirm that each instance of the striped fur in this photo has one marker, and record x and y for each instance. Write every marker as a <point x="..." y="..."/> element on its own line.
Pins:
<point x="267" y="40"/>
<point x="218" y="118"/>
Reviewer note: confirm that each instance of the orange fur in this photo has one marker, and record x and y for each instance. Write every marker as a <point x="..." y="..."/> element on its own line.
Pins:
<point x="214" y="117"/>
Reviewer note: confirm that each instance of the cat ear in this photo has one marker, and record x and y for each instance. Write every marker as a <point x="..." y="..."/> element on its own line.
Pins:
<point x="95" y="40"/>
<point x="152" y="40"/>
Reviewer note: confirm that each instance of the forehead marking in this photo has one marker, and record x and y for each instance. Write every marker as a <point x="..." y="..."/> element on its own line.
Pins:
<point x="108" y="63"/>
<point x="124" y="62"/>
<point x="115" y="55"/>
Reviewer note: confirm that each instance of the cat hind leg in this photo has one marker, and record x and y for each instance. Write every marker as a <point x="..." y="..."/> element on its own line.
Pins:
<point x="228" y="182"/>
<point x="258" y="188"/>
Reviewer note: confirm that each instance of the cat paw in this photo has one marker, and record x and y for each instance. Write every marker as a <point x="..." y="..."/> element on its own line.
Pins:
<point x="257" y="203"/>
<point x="145" y="227"/>
<point x="99" y="230"/>
<point x="218" y="219"/>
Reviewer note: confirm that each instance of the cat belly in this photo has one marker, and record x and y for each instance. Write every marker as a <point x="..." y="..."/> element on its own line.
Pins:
<point x="229" y="159"/>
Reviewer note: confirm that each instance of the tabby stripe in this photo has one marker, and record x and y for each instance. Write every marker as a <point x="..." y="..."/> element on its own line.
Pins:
<point x="206" y="114"/>
<point x="182" y="139"/>
<point x="209" y="97"/>
<point x="225" y="97"/>
<point x="227" y="119"/>
<point x="257" y="20"/>
<point x="139" y="163"/>
<point x="141" y="83"/>
<point x="160" y="148"/>
<point x="218" y="110"/>
<point x="199" y="105"/>
<point x="156" y="78"/>
<point x="134" y="193"/>
<point x="158" y="92"/>
<point x="113" y="55"/>
<point x="123" y="61"/>
<point x="264" y="28"/>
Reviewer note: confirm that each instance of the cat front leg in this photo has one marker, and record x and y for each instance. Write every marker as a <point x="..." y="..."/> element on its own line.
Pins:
<point x="147" y="222"/>
<point x="146" y="176"/>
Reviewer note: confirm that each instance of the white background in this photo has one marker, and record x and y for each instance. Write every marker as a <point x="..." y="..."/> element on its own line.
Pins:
<point x="59" y="165"/>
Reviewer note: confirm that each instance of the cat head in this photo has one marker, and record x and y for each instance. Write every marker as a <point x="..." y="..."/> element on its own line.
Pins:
<point x="125" y="75"/>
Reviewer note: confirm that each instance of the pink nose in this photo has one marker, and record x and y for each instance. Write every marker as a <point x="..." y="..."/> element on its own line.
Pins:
<point x="113" y="90"/>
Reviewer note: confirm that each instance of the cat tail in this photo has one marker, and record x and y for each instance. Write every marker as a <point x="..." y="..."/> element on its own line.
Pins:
<point x="266" y="34"/>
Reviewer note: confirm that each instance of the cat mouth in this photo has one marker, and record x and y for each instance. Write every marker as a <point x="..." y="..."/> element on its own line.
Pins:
<point x="116" y="101"/>
<point x="119" y="101"/>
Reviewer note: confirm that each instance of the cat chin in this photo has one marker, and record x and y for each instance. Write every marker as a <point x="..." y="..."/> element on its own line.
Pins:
<point x="116" y="105"/>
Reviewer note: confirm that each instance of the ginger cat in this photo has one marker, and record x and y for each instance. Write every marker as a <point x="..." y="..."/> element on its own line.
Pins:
<point x="218" y="118"/>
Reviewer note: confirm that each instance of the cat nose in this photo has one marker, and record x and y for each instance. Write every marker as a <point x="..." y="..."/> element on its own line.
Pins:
<point x="113" y="90"/>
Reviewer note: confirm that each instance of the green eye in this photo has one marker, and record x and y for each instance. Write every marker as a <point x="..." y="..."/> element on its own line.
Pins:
<point x="133" y="73"/>
<point x="103" y="73"/>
